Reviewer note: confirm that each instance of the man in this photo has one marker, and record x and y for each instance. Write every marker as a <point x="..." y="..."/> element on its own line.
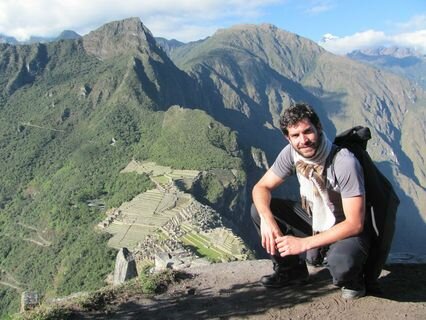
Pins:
<point x="330" y="216"/>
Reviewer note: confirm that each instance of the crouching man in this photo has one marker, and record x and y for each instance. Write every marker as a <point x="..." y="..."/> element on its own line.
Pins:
<point x="331" y="213"/>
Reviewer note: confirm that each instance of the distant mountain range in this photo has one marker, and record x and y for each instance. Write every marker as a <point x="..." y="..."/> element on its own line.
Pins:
<point x="405" y="62"/>
<point x="402" y="61"/>
<point x="63" y="102"/>
<point x="66" y="34"/>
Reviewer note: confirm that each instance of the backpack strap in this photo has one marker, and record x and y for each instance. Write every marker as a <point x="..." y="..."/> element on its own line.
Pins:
<point x="329" y="162"/>
<point x="330" y="158"/>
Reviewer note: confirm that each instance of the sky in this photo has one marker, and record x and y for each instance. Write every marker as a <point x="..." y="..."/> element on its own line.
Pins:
<point x="346" y="24"/>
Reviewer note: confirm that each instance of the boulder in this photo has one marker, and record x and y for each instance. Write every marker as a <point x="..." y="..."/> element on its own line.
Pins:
<point x="125" y="267"/>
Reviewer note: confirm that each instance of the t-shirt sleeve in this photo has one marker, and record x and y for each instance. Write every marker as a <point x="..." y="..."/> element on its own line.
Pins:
<point x="349" y="174"/>
<point x="283" y="166"/>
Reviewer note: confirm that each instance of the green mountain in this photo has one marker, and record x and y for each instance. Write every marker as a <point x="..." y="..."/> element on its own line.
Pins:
<point x="74" y="113"/>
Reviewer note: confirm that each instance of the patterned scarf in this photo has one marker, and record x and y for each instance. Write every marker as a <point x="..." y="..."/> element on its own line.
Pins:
<point x="313" y="191"/>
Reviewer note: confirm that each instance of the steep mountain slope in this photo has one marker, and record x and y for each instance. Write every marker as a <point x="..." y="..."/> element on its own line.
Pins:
<point x="259" y="70"/>
<point x="73" y="113"/>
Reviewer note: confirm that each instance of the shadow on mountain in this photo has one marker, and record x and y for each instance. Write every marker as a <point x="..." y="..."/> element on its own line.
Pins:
<point x="241" y="300"/>
<point x="405" y="163"/>
<point x="410" y="227"/>
<point x="250" y="122"/>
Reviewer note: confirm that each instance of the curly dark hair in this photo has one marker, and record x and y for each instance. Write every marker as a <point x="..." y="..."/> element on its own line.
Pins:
<point x="297" y="112"/>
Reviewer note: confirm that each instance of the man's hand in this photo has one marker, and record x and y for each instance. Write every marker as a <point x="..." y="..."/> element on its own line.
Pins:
<point x="269" y="229"/>
<point x="270" y="232"/>
<point x="290" y="245"/>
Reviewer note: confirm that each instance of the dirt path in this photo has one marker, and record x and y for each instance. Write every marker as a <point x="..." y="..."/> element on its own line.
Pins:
<point x="232" y="291"/>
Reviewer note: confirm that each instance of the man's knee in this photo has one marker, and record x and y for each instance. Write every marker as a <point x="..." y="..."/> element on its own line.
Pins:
<point x="345" y="266"/>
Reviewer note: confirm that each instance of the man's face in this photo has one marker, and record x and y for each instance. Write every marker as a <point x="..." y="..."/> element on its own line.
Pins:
<point x="304" y="137"/>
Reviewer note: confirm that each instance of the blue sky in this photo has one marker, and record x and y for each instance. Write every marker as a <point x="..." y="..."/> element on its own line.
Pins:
<point x="348" y="24"/>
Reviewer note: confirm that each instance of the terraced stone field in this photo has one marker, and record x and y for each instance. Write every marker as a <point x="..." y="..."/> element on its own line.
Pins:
<point x="163" y="218"/>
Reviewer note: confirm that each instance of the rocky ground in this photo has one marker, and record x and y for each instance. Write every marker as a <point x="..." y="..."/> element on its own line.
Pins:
<point x="232" y="291"/>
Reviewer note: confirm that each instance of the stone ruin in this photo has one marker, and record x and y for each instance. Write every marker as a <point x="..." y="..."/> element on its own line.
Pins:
<point x="112" y="215"/>
<point x="29" y="300"/>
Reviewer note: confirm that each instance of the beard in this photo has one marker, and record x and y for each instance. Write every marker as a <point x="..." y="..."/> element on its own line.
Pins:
<point x="309" y="150"/>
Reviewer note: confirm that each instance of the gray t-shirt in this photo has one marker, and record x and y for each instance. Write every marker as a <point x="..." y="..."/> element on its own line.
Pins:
<point x="345" y="178"/>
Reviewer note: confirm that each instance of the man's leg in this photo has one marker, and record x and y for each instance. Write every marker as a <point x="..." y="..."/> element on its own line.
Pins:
<point x="345" y="261"/>
<point x="293" y="220"/>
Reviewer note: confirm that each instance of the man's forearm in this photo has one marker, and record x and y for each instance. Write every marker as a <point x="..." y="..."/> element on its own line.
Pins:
<point x="351" y="226"/>
<point x="262" y="201"/>
<point x="340" y="231"/>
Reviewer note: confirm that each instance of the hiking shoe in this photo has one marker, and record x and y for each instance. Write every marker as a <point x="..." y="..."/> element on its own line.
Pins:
<point x="282" y="278"/>
<point x="353" y="293"/>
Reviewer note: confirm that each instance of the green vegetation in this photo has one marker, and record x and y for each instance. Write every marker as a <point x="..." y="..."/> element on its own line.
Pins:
<point x="213" y="186"/>
<point x="201" y="247"/>
<point x="151" y="283"/>
<point x="190" y="139"/>
<point x="44" y="313"/>
<point x="126" y="187"/>
<point x="68" y="126"/>
<point x="147" y="283"/>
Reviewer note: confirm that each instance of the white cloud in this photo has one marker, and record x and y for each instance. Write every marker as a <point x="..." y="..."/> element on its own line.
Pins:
<point x="360" y="40"/>
<point x="412" y="34"/>
<point x="186" y="19"/>
<point x="319" y="6"/>
<point x="179" y="28"/>
<point x="416" y="40"/>
<point x="415" y="23"/>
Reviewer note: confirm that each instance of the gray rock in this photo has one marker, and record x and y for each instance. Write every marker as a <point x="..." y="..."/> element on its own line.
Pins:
<point x="163" y="261"/>
<point x="178" y="260"/>
<point x="125" y="267"/>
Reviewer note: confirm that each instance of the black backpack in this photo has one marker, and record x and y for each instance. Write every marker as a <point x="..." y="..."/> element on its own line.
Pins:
<point x="381" y="199"/>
